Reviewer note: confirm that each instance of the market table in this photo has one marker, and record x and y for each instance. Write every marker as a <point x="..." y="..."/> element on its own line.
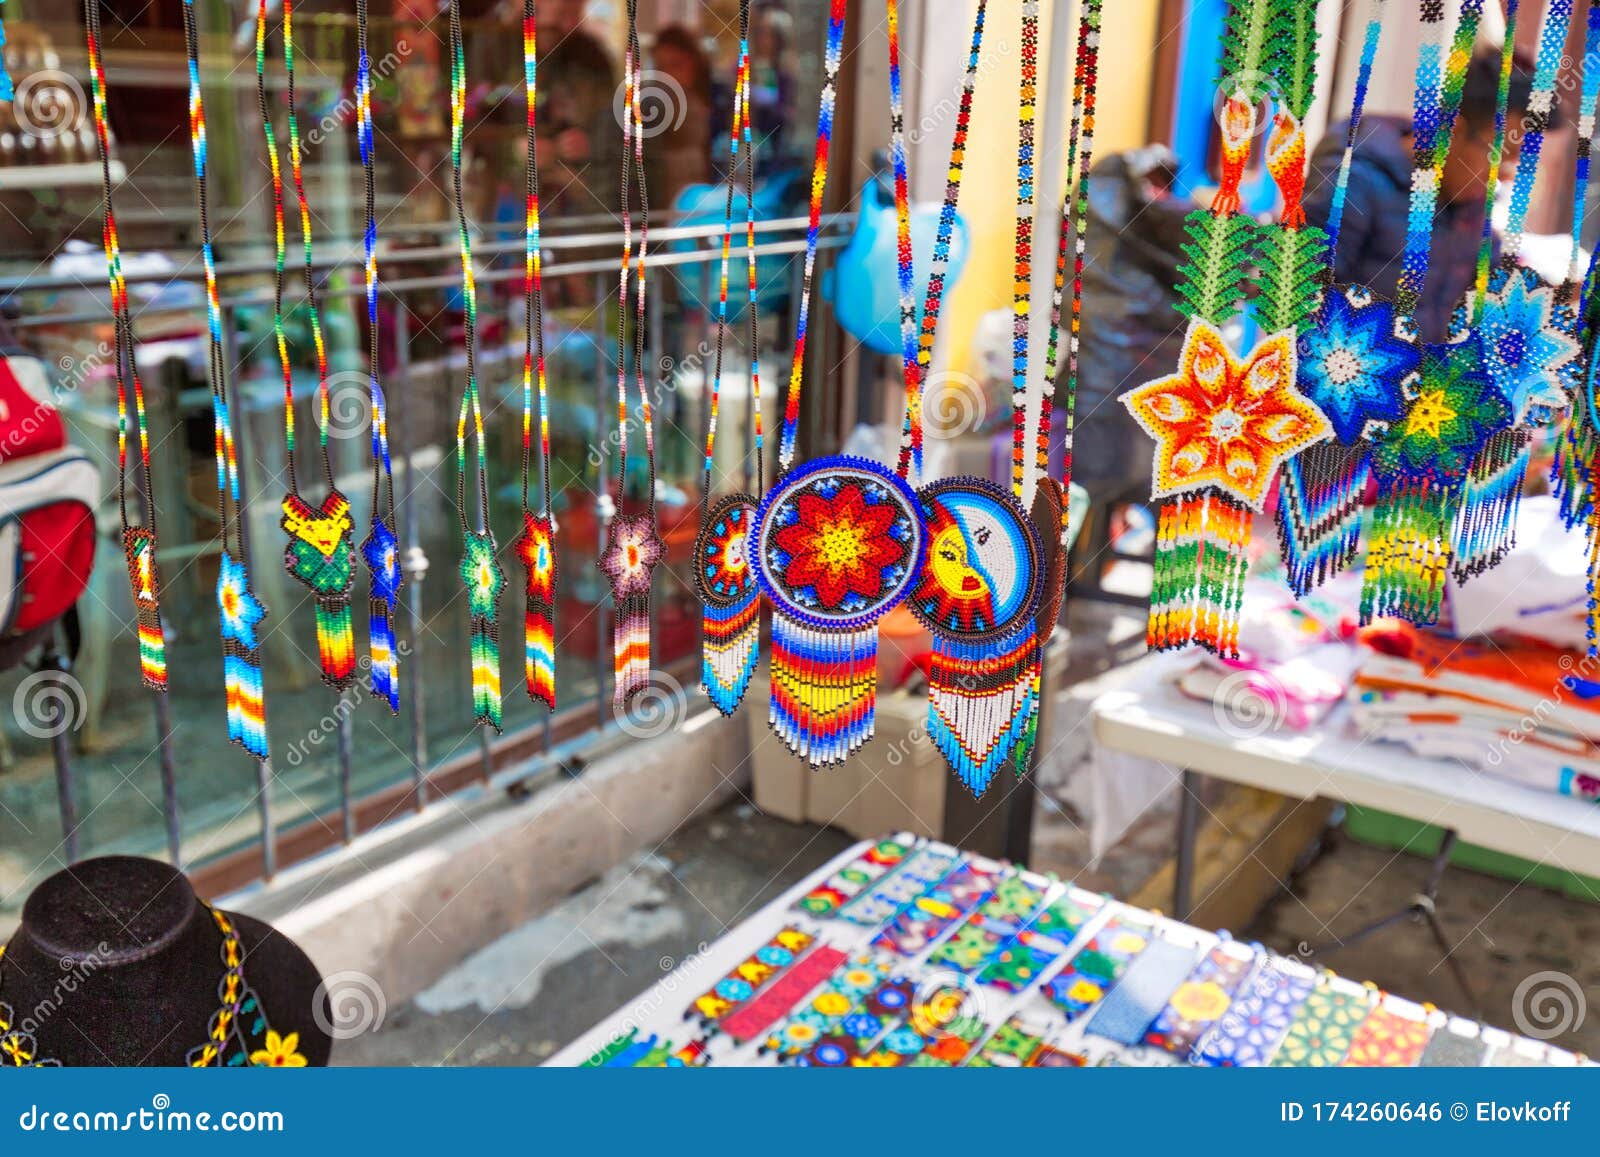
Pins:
<point x="909" y="952"/>
<point x="1149" y="717"/>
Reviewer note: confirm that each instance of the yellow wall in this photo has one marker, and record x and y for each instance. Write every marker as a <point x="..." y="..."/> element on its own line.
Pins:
<point x="988" y="191"/>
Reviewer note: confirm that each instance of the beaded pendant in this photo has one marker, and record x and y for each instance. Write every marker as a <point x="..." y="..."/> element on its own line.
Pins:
<point x="321" y="556"/>
<point x="633" y="550"/>
<point x="241" y="616"/>
<point x="484" y="580"/>
<point x="381" y="551"/>
<point x="536" y="548"/>
<point x="730" y="621"/>
<point x="839" y="543"/>
<point x="138" y="542"/>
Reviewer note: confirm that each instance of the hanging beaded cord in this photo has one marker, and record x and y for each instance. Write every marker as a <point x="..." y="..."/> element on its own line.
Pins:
<point x="1578" y="441"/>
<point x="236" y="1032"/>
<point x="480" y="563"/>
<point x="1022" y="265"/>
<point x="1418" y="494"/>
<point x="536" y="548"/>
<point x="1224" y="423"/>
<point x="381" y="550"/>
<point x="911" y="370"/>
<point x="1320" y="497"/>
<point x="1529" y="339"/>
<point x="633" y="546"/>
<point x="320" y="553"/>
<point x="241" y="611"/>
<point x="138" y="542"/>
<point x="731" y="618"/>
<point x="832" y="56"/>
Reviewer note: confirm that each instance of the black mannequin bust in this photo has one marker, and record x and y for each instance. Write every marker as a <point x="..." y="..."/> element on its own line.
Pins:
<point x="117" y="962"/>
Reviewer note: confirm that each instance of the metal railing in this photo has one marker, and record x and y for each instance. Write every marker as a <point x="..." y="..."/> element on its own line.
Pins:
<point x="588" y="256"/>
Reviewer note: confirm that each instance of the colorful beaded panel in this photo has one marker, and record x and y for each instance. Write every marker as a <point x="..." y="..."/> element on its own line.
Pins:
<point x="536" y="548"/>
<point x="982" y="579"/>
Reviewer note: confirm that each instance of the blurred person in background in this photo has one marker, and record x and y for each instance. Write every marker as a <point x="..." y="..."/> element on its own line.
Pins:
<point x="678" y="106"/>
<point x="579" y="138"/>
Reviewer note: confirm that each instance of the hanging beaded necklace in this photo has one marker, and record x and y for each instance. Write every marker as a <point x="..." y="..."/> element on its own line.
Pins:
<point x="839" y="541"/>
<point x="537" y="545"/>
<point x="241" y="611"/>
<point x="980" y="588"/>
<point x="1449" y="410"/>
<point x="381" y="549"/>
<point x="1351" y="365"/>
<point x="731" y="619"/>
<point x="633" y="546"/>
<point x="236" y="1032"/>
<point x="320" y="553"/>
<point x="1224" y="423"/>
<point x="480" y="562"/>
<point x="1527" y="331"/>
<point x="139" y="543"/>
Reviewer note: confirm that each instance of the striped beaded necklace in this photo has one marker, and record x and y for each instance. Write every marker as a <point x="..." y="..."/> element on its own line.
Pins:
<point x="139" y="543"/>
<point x="381" y="549"/>
<point x="241" y="611"/>
<point x="840" y="540"/>
<point x="633" y="545"/>
<point x="480" y="561"/>
<point x="320" y="553"/>
<point x="537" y="545"/>
<point x="724" y="578"/>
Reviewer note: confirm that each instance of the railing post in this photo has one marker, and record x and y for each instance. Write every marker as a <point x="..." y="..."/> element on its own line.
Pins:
<point x="416" y="562"/>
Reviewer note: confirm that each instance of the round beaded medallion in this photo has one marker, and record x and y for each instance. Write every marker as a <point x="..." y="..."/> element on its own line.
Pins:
<point x="839" y="542"/>
<point x="722" y="569"/>
<point x="982" y="579"/>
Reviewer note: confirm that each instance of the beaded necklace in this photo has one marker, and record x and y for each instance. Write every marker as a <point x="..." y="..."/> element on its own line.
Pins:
<point x="839" y="541"/>
<point x="1224" y="423"/>
<point x="537" y="545"/>
<point x="1449" y="408"/>
<point x="480" y="562"/>
<point x="1351" y="362"/>
<point x="731" y="618"/>
<point x="633" y="545"/>
<point x="1527" y="331"/>
<point x="138" y="542"/>
<point x="320" y="553"/>
<point x="980" y="589"/>
<point x="381" y="549"/>
<point x="241" y="610"/>
<point x="237" y="1031"/>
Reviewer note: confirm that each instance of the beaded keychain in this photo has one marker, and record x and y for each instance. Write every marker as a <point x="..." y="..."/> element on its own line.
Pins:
<point x="537" y="545"/>
<point x="633" y="546"/>
<point x="1352" y="363"/>
<point x="731" y="619"/>
<point x="839" y="541"/>
<point x="138" y="542"/>
<point x="980" y="588"/>
<point x="320" y="553"/>
<point x="480" y="562"/>
<point x="381" y="550"/>
<point x="1223" y="423"/>
<point x="241" y="611"/>
<point x="1528" y="334"/>
<point x="1449" y="410"/>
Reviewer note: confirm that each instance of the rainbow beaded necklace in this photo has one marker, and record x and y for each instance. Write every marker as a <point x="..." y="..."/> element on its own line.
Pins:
<point x="724" y="578"/>
<point x="320" y="553"/>
<point x="381" y="549"/>
<point x="241" y="611"/>
<point x="1223" y="423"/>
<point x="839" y="541"/>
<point x="537" y="545"/>
<point x="480" y="562"/>
<point x="633" y="545"/>
<point x="139" y="543"/>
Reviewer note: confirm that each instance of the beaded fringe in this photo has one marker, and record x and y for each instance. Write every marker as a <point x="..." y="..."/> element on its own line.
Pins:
<point x="1319" y="512"/>
<point x="1201" y="558"/>
<point x="139" y="548"/>
<point x="384" y="653"/>
<point x="1486" y="525"/>
<point x="631" y="647"/>
<point x="1408" y="551"/>
<point x="729" y="652"/>
<point x="824" y="690"/>
<point x="982" y="700"/>
<point x="486" y="671"/>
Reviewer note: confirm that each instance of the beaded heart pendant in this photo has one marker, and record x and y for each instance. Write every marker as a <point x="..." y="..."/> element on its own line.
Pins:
<point x="731" y="598"/>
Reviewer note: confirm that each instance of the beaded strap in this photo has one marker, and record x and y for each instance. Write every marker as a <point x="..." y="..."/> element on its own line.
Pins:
<point x="1541" y="105"/>
<point x="470" y="400"/>
<point x="1441" y="77"/>
<point x="1508" y="53"/>
<point x="1590" y="99"/>
<point x="139" y="542"/>
<point x="1341" y="189"/>
<point x="1022" y="266"/>
<point x="911" y="370"/>
<point x="740" y="130"/>
<point x="633" y="171"/>
<point x="939" y="267"/>
<point x="382" y="466"/>
<point x="533" y="363"/>
<point x="819" y="184"/>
